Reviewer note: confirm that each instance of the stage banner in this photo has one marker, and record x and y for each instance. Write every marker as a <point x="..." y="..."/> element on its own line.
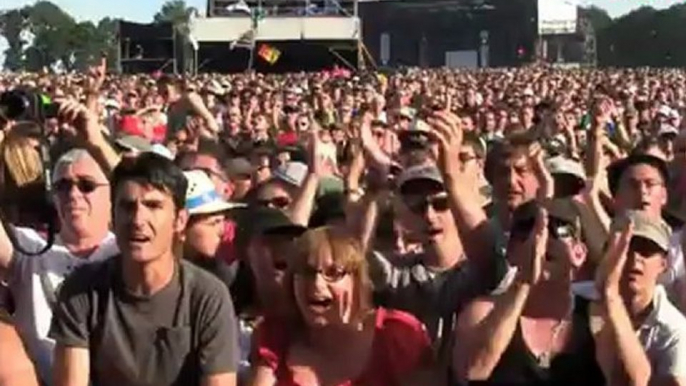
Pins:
<point x="557" y="17"/>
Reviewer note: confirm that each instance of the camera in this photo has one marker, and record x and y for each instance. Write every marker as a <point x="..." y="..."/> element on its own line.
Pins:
<point x="27" y="105"/>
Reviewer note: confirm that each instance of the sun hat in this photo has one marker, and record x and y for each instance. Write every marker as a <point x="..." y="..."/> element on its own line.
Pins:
<point x="202" y="197"/>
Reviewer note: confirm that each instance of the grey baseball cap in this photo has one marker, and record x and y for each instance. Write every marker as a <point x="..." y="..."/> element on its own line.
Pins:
<point x="419" y="173"/>
<point x="563" y="165"/>
<point x="646" y="227"/>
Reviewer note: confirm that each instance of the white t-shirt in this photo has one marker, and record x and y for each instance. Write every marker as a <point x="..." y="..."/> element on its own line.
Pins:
<point x="676" y="270"/>
<point x="663" y="337"/>
<point x="662" y="334"/>
<point x="33" y="314"/>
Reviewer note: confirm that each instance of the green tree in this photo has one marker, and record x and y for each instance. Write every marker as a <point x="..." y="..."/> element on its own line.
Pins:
<point x="599" y="17"/>
<point x="12" y="24"/>
<point x="52" y="29"/>
<point x="176" y="12"/>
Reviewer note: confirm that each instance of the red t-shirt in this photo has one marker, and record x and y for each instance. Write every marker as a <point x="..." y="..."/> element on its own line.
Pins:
<point x="227" y="249"/>
<point x="401" y="346"/>
<point x="287" y="138"/>
<point x="159" y="133"/>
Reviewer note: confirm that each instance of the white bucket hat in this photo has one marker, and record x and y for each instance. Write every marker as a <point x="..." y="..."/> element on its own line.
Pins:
<point x="202" y="197"/>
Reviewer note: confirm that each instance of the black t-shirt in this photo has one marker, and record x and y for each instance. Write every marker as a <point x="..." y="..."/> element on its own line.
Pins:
<point x="576" y="366"/>
<point x="184" y="332"/>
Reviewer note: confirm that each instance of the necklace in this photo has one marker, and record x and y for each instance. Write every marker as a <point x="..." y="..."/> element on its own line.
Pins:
<point x="544" y="359"/>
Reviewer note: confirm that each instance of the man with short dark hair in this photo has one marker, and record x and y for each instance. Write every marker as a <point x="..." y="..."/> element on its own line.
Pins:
<point x="145" y="316"/>
<point x="511" y="171"/>
<point x="639" y="182"/>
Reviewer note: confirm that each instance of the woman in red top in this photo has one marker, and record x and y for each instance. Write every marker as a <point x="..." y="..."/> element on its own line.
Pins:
<point x="336" y="337"/>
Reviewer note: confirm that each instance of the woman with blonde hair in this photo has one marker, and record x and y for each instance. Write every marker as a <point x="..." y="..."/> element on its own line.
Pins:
<point x="336" y="336"/>
<point x="21" y="174"/>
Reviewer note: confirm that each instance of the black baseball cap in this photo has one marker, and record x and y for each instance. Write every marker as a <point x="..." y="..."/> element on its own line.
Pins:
<point x="264" y="221"/>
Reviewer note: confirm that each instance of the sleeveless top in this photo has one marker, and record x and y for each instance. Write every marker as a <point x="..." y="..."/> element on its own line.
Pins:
<point x="575" y="366"/>
<point x="400" y="347"/>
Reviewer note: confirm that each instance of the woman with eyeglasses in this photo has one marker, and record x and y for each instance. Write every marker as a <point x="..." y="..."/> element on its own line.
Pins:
<point x="334" y="335"/>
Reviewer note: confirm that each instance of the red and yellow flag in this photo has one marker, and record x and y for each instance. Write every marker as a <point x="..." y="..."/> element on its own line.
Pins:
<point x="268" y="53"/>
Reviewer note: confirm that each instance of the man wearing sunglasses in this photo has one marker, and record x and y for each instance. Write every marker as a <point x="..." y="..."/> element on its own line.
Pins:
<point x="536" y="332"/>
<point x="438" y="281"/>
<point x="82" y="198"/>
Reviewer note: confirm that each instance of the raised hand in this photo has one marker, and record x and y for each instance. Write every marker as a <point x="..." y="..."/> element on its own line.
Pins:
<point x="87" y="128"/>
<point x="546" y="183"/>
<point x="447" y="132"/>
<point x="530" y="256"/>
<point x="609" y="273"/>
<point x="602" y="112"/>
<point x="96" y="76"/>
<point x="373" y="153"/>
<point x="317" y="162"/>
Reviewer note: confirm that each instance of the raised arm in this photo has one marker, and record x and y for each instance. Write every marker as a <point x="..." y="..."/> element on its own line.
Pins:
<point x="485" y="328"/>
<point x="618" y="350"/>
<point x="6" y="252"/>
<point x="71" y="366"/>
<point x="89" y="134"/>
<point x="198" y="106"/>
<point x="303" y="204"/>
<point x="477" y="235"/>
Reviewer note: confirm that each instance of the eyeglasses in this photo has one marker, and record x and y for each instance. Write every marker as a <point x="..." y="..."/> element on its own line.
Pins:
<point x="275" y="202"/>
<point x="466" y="157"/>
<point x="330" y="274"/>
<point x="421" y="204"/>
<point x="84" y="186"/>
<point x="557" y="229"/>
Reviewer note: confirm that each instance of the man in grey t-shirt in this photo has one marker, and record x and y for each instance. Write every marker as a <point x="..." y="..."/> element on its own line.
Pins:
<point x="435" y="284"/>
<point x="144" y="317"/>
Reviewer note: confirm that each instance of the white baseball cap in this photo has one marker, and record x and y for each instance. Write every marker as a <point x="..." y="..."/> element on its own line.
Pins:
<point x="202" y="197"/>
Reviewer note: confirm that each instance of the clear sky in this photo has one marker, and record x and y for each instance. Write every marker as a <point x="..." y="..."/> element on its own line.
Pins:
<point x="143" y="10"/>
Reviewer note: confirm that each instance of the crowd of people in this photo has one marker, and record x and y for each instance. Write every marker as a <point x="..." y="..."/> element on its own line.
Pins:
<point x="422" y="227"/>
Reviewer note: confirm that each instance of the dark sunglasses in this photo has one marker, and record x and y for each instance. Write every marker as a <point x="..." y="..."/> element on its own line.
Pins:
<point x="330" y="274"/>
<point x="557" y="229"/>
<point x="84" y="186"/>
<point x="275" y="202"/>
<point x="421" y="205"/>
